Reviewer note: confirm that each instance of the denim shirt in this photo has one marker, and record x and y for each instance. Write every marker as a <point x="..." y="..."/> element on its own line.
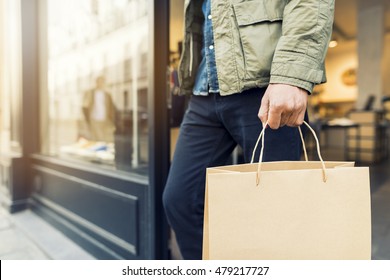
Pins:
<point x="206" y="78"/>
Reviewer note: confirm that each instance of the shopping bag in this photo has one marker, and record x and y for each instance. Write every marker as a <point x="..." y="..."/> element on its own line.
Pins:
<point x="287" y="210"/>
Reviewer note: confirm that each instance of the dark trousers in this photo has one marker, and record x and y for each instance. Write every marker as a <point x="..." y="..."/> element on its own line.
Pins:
<point x="212" y="126"/>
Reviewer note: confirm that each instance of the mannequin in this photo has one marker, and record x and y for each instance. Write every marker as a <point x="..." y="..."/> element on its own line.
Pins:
<point x="99" y="112"/>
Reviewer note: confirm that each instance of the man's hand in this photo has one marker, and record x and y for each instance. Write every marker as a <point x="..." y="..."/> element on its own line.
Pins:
<point x="283" y="105"/>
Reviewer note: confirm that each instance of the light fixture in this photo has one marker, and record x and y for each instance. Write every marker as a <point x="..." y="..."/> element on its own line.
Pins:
<point x="333" y="43"/>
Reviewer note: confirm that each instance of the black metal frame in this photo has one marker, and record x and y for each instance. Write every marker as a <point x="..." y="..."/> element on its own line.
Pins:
<point x="159" y="121"/>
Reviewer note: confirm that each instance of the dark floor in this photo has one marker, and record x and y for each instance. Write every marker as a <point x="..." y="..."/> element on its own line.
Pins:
<point x="380" y="205"/>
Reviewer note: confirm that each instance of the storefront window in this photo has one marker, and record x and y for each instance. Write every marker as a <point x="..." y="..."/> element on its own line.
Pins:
<point x="95" y="92"/>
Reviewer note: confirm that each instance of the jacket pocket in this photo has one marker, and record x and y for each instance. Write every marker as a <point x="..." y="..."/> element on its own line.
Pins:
<point x="259" y="24"/>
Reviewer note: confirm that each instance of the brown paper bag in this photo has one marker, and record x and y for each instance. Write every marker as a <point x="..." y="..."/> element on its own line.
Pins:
<point x="287" y="210"/>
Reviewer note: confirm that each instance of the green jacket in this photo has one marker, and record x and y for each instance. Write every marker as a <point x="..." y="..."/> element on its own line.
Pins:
<point x="258" y="42"/>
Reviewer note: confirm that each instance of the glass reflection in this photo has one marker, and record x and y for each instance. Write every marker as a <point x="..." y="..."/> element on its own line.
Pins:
<point x="97" y="82"/>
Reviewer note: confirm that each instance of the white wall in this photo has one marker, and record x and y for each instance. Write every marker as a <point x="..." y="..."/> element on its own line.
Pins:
<point x="338" y="60"/>
<point x="342" y="58"/>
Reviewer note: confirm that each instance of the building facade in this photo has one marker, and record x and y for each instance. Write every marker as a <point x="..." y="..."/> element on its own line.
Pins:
<point x="84" y="130"/>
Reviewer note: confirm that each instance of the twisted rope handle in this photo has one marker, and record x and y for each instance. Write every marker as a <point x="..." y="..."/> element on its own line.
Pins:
<point x="262" y="136"/>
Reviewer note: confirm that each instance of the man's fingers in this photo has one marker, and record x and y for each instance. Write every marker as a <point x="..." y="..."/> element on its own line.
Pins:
<point x="285" y="119"/>
<point x="297" y="118"/>
<point x="263" y="111"/>
<point x="301" y="117"/>
<point x="274" y="118"/>
<point x="283" y="105"/>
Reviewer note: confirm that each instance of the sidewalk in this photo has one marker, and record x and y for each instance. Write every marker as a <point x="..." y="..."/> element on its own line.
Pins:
<point x="26" y="236"/>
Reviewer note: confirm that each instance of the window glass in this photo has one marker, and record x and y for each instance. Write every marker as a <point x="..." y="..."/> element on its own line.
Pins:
<point x="10" y="76"/>
<point x="96" y="86"/>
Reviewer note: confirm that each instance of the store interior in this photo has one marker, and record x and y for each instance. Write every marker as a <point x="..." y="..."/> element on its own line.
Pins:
<point x="350" y="112"/>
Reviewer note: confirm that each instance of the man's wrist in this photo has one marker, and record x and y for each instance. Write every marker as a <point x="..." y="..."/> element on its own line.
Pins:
<point x="307" y="86"/>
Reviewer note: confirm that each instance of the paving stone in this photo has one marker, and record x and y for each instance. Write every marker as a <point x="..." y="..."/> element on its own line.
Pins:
<point x="51" y="240"/>
<point x="15" y="245"/>
<point x="11" y="239"/>
<point x="25" y="254"/>
<point x="26" y="236"/>
<point x="4" y="223"/>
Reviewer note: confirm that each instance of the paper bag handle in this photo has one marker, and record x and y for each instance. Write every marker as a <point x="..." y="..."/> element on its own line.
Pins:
<point x="261" y="133"/>
<point x="261" y="137"/>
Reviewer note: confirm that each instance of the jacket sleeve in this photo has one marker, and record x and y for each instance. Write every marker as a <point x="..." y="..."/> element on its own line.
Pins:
<point x="300" y="53"/>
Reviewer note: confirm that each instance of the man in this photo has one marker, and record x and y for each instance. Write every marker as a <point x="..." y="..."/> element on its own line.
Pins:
<point x="237" y="55"/>
<point x="99" y="112"/>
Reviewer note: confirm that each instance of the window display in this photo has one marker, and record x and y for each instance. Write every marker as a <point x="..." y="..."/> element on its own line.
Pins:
<point x="97" y="84"/>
